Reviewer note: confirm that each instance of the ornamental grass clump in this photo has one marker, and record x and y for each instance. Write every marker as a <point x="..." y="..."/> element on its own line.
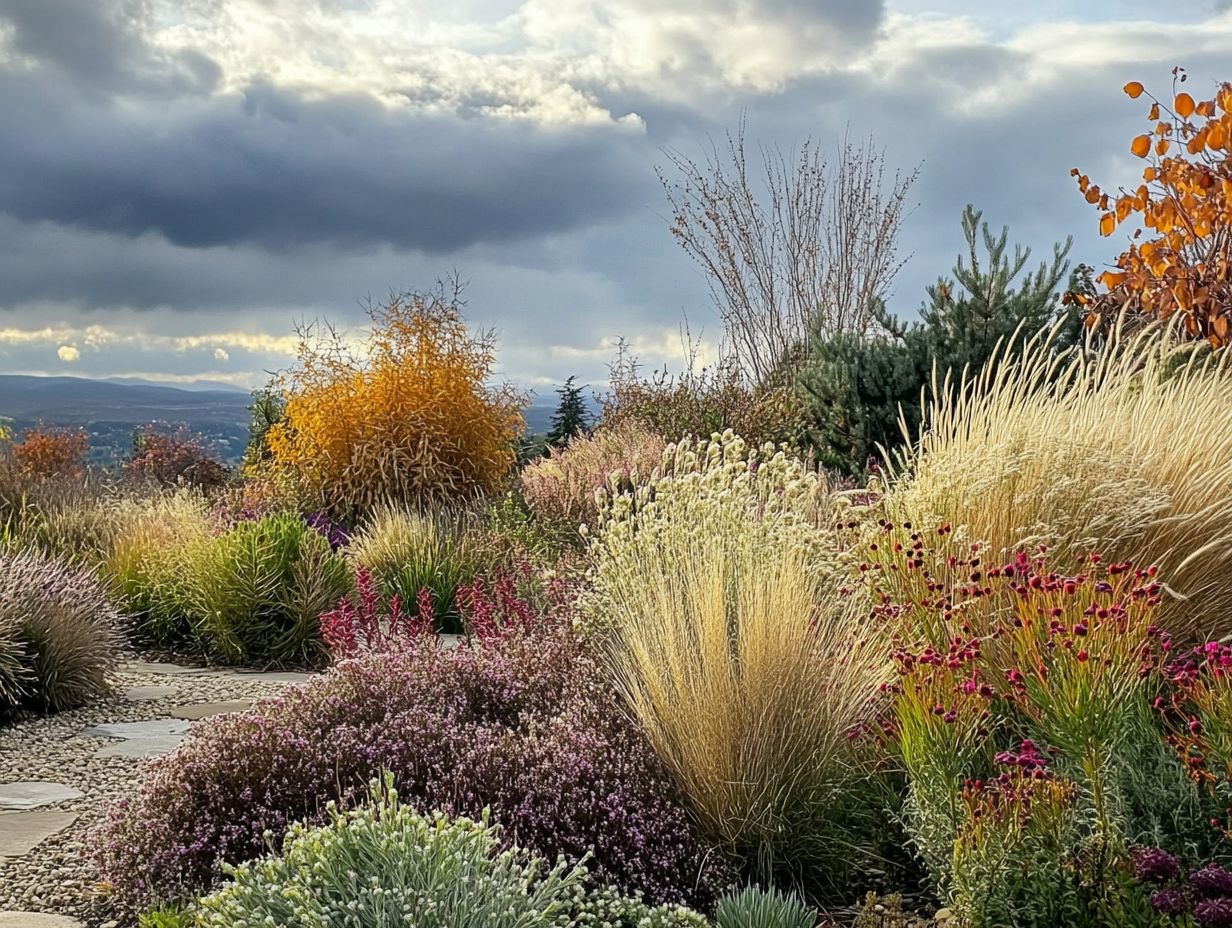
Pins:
<point x="407" y="551"/>
<point x="717" y="493"/>
<point x="1118" y="451"/>
<point x="750" y="681"/>
<point x="145" y="570"/>
<point x="562" y="488"/>
<point x="755" y="907"/>
<point x="521" y="723"/>
<point x="714" y="608"/>
<point x="59" y="637"/>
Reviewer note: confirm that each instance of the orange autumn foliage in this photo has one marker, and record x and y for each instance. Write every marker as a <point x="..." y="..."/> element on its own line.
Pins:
<point x="1183" y="268"/>
<point x="407" y="416"/>
<point x="45" y="454"/>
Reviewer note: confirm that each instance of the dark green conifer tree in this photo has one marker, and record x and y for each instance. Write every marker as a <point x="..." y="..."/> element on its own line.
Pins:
<point x="571" y="417"/>
<point x="855" y="387"/>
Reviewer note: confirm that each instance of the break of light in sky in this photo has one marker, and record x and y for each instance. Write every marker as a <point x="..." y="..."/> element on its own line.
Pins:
<point x="181" y="182"/>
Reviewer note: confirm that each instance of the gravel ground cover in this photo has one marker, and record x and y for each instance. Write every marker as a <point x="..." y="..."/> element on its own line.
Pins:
<point x="52" y="877"/>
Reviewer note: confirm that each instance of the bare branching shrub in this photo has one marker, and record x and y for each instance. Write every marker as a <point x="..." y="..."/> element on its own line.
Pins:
<point x="1126" y="452"/>
<point x="793" y="243"/>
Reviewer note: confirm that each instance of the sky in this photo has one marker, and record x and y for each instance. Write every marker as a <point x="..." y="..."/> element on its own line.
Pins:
<point x="183" y="181"/>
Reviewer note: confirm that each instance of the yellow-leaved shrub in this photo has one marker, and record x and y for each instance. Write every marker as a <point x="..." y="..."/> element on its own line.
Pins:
<point x="408" y="416"/>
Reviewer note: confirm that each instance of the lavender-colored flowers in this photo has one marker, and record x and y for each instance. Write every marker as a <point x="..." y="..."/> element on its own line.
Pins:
<point x="1216" y="913"/>
<point x="1155" y="865"/>
<point x="520" y="723"/>
<point x="1212" y="880"/>
<point x="333" y="532"/>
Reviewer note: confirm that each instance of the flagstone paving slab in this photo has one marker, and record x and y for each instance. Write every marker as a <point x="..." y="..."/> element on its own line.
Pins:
<point x="151" y="738"/>
<point x="149" y="693"/>
<point x="37" y="920"/>
<point x="205" y="710"/>
<point x="22" y="832"/>
<point x="30" y="794"/>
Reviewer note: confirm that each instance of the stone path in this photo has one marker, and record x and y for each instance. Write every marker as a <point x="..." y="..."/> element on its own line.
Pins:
<point x="36" y="920"/>
<point x="59" y="773"/>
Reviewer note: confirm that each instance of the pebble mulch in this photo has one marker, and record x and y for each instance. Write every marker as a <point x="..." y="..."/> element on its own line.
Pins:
<point x="57" y="751"/>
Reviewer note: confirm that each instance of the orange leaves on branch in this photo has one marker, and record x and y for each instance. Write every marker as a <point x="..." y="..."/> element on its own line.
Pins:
<point x="1179" y="263"/>
<point x="46" y="454"/>
<point x="409" y="415"/>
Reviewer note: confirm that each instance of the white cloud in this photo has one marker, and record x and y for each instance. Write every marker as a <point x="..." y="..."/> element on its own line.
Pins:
<point x="68" y="353"/>
<point x="220" y="354"/>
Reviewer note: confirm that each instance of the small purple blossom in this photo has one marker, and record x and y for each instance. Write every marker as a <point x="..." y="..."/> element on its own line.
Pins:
<point x="1212" y="881"/>
<point x="333" y="532"/>
<point x="1155" y="865"/>
<point x="1170" y="902"/>
<point x="1215" y="913"/>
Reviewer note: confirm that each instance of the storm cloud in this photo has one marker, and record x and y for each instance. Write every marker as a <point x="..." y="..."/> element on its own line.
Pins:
<point x="180" y="181"/>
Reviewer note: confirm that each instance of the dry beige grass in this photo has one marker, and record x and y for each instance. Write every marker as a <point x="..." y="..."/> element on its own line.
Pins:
<point x="562" y="487"/>
<point x="1127" y="451"/>
<point x="748" y="679"/>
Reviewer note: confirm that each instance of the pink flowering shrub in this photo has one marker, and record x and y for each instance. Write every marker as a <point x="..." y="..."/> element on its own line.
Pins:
<point x="517" y="721"/>
<point x="362" y="623"/>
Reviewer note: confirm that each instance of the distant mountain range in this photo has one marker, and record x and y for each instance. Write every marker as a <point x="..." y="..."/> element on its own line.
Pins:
<point x="111" y="409"/>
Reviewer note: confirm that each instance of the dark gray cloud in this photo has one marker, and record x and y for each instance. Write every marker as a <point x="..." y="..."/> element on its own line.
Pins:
<point x="270" y="168"/>
<point x="100" y="46"/>
<point x="138" y="193"/>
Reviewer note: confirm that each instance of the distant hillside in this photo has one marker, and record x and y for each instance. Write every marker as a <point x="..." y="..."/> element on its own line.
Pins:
<point x="110" y="411"/>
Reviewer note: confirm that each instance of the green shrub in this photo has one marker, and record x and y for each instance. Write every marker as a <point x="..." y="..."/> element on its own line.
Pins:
<point x="256" y="593"/>
<point x="387" y="866"/>
<point x="252" y="592"/>
<point x="59" y="637"/>
<point x="408" y="550"/>
<point x="147" y="569"/>
<point x="763" y="908"/>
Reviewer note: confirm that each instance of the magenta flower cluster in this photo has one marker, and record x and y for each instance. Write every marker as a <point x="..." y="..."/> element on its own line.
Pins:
<point x="1206" y="894"/>
<point x="519" y="723"/>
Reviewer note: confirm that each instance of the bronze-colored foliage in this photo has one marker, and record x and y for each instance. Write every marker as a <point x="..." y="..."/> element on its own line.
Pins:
<point x="47" y="453"/>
